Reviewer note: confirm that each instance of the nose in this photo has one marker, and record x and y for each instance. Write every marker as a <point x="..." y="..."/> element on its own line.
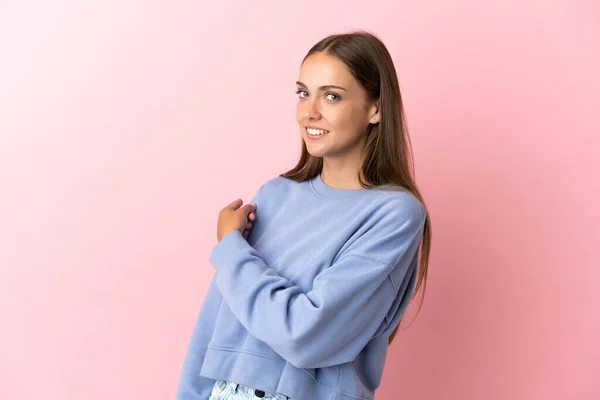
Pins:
<point x="312" y="109"/>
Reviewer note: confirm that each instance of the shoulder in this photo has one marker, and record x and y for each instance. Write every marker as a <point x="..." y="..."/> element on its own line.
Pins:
<point x="389" y="229"/>
<point x="397" y="207"/>
<point x="275" y="186"/>
<point x="275" y="182"/>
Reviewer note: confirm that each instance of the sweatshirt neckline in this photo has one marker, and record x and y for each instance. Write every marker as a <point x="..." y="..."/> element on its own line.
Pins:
<point x="329" y="192"/>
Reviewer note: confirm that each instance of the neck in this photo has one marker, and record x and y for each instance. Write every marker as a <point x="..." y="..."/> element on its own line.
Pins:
<point x="340" y="175"/>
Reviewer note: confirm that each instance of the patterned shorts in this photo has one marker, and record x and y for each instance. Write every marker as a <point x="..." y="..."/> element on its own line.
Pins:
<point x="227" y="390"/>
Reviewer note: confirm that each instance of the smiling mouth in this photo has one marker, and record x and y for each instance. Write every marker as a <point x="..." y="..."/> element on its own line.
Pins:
<point x="316" y="132"/>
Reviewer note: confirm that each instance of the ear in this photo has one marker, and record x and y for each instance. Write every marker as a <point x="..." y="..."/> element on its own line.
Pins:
<point x="375" y="115"/>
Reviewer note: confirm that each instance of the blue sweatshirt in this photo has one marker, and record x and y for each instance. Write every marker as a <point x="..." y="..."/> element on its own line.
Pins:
<point x="304" y="307"/>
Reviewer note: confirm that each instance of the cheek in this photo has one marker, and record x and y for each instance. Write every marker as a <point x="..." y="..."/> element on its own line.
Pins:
<point x="344" y="118"/>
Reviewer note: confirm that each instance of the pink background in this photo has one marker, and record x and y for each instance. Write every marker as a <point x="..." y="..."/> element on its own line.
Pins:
<point x="126" y="126"/>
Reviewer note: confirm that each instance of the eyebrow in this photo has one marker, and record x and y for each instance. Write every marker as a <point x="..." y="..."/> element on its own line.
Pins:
<point x="325" y="87"/>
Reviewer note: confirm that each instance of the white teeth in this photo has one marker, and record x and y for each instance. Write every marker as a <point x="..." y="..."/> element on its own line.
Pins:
<point x="316" y="132"/>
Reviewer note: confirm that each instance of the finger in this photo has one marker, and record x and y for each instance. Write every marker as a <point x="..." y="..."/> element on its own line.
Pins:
<point x="235" y="204"/>
<point x="248" y="208"/>
<point x="252" y="216"/>
<point x="249" y="226"/>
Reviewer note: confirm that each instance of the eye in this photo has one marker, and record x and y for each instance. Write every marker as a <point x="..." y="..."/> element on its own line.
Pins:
<point x="301" y="91"/>
<point x="337" y="98"/>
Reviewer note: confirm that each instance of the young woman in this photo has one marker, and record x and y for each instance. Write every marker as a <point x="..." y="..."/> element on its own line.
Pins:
<point x="313" y="276"/>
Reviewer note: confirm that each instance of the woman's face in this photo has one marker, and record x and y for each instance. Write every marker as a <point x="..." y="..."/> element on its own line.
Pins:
<point x="331" y="100"/>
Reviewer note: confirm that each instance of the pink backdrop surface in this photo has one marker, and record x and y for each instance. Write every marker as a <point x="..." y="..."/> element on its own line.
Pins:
<point x="125" y="126"/>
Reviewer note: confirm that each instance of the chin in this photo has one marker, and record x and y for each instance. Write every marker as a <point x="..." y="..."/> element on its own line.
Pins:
<point x="317" y="154"/>
<point x="314" y="149"/>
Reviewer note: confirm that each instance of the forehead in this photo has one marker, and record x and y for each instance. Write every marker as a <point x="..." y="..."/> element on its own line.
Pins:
<point x="320" y="69"/>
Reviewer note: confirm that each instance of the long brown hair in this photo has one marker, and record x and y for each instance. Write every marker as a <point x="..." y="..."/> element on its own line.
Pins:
<point x="387" y="158"/>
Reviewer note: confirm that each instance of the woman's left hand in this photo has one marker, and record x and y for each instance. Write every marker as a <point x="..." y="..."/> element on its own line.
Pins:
<point x="235" y="217"/>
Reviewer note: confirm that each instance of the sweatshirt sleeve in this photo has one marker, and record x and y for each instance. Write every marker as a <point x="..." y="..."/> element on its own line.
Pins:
<point x="331" y="323"/>
<point x="192" y="386"/>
